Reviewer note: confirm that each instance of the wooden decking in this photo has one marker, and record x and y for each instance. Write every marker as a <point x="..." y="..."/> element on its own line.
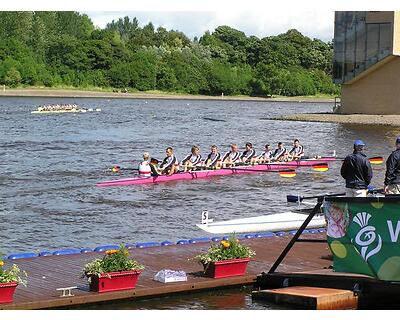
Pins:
<point x="46" y="274"/>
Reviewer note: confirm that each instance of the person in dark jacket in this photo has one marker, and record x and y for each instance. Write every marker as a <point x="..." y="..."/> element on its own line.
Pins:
<point x="392" y="176"/>
<point x="357" y="171"/>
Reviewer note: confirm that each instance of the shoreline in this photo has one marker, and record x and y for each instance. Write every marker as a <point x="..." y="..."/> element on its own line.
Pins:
<point x="72" y="93"/>
<point x="360" y="119"/>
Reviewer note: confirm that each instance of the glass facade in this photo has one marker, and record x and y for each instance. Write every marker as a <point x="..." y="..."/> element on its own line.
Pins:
<point x="358" y="44"/>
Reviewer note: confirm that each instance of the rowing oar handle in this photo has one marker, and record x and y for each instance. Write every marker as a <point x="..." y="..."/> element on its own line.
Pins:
<point x="292" y="198"/>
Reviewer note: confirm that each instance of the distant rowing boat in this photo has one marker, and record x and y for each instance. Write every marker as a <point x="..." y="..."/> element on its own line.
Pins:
<point x="80" y="110"/>
<point x="285" y="221"/>
<point x="212" y="173"/>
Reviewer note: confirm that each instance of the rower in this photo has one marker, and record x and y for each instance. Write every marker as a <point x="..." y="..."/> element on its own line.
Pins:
<point x="144" y="166"/>
<point x="280" y="153"/>
<point x="231" y="157"/>
<point x="266" y="156"/>
<point x="192" y="160"/>
<point x="297" y="152"/>
<point x="249" y="155"/>
<point x="170" y="164"/>
<point x="213" y="159"/>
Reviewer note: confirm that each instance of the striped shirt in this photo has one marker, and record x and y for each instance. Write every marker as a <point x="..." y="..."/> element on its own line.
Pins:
<point x="213" y="157"/>
<point x="194" y="159"/>
<point x="168" y="162"/>
<point x="234" y="156"/>
<point x="265" y="155"/>
<point x="247" y="155"/>
<point x="297" y="151"/>
<point x="279" y="153"/>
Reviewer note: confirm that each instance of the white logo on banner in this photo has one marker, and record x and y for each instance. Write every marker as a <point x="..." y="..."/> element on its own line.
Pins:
<point x="366" y="236"/>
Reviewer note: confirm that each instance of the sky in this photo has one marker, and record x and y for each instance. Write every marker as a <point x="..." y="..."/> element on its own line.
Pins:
<point x="314" y="24"/>
<point x="313" y="18"/>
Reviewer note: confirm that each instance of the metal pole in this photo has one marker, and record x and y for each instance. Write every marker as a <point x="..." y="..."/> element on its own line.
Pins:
<point x="296" y="236"/>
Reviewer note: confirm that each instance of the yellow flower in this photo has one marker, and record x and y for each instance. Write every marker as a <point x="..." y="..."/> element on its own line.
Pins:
<point x="111" y="251"/>
<point x="1" y="263"/>
<point x="225" y="244"/>
<point x="237" y="240"/>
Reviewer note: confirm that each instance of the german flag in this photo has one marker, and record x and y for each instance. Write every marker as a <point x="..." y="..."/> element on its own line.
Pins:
<point x="320" y="167"/>
<point x="376" y="160"/>
<point x="287" y="173"/>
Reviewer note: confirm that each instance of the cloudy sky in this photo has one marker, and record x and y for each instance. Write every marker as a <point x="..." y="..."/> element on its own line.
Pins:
<point x="261" y="18"/>
<point x="315" y="24"/>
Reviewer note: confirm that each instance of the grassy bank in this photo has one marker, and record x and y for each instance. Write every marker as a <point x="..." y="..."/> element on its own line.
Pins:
<point x="95" y="92"/>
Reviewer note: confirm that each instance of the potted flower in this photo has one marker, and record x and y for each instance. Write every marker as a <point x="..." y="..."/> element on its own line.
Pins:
<point x="115" y="271"/>
<point x="9" y="280"/>
<point x="228" y="258"/>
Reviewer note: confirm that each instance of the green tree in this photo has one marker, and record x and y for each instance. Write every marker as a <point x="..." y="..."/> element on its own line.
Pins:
<point x="12" y="78"/>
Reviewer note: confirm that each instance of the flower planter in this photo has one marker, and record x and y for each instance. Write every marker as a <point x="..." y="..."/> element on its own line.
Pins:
<point x="7" y="291"/>
<point x="114" y="281"/>
<point x="227" y="268"/>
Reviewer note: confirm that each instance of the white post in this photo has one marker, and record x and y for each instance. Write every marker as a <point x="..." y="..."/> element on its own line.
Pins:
<point x="222" y="95"/>
<point x="4" y="87"/>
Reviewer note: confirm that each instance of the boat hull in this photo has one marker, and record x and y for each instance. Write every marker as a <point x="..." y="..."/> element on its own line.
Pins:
<point x="285" y="221"/>
<point x="212" y="173"/>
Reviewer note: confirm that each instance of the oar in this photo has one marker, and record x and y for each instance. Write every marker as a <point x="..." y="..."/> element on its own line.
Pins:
<point x="376" y="160"/>
<point x="292" y="198"/>
<point x="116" y="169"/>
<point x="372" y="160"/>
<point x="286" y="173"/>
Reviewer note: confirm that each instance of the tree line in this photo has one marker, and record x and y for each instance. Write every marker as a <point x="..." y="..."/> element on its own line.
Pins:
<point x="65" y="49"/>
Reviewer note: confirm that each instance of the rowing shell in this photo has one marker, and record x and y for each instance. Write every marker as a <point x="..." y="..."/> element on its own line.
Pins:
<point x="67" y="111"/>
<point x="285" y="221"/>
<point x="212" y="173"/>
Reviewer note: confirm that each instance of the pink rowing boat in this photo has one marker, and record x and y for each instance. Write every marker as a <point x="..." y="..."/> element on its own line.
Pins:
<point x="212" y="173"/>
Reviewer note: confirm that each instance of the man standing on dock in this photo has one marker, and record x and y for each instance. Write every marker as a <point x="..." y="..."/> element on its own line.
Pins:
<point x="357" y="171"/>
<point x="392" y="176"/>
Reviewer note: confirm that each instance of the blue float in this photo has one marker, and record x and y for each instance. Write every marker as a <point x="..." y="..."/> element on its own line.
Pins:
<point x="281" y="233"/>
<point x="105" y="248"/>
<point x="215" y="239"/>
<point x="312" y="230"/>
<point x="167" y="243"/>
<point x="45" y="253"/>
<point x="292" y="231"/>
<point x="66" y="251"/>
<point x="250" y="236"/>
<point x="86" y="250"/>
<point x="147" y="244"/>
<point x="265" y="235"/>
<point x="321" y="230"/>
<point x="183" y="242"/>
<point x="195" y="240"/>
<point x="22" y="255"/>
<point x="305" y="231"/>
<point x="130" y="246"/>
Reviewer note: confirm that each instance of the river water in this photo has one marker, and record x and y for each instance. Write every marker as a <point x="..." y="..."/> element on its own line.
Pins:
<point x="49" y="165"/>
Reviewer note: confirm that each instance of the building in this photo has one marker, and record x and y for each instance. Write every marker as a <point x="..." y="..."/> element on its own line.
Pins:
<point x="367" y="61"/>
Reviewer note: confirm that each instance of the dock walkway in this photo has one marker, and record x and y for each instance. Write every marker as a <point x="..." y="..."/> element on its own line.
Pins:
<point x="46" y="274"/>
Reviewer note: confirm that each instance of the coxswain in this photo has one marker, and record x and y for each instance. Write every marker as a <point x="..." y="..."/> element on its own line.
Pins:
<point x="248" y="155"/>
<point x="231" y="157"/>
<point x="144" y="166"/>
<point x="392" y="175"/>
<point x="266" y="156"/>
<point x="297" y="152"/>
<point x="192" y="160"/>
<point x="213" y="159"/>
<point x="357" y="171"/>
<point x="170" y="164"/>
<point x="280" y="153"/>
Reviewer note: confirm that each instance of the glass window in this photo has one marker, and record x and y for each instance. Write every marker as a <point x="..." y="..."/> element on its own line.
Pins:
<point x="385" y="40"/>
<point x="372" y="43"/>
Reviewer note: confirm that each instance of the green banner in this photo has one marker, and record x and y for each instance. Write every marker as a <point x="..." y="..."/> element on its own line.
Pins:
<point x="364" y="237"/>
